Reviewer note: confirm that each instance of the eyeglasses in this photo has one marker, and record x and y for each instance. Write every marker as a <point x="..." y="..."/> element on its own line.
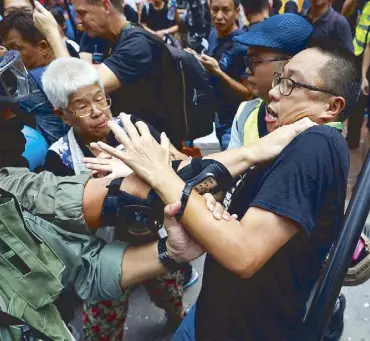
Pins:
<point x="286" y="85"/>
<point x="250" y="62"/>
<point x="85" y="110"/>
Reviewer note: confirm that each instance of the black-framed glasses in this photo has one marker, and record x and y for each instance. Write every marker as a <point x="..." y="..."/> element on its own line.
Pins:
<point x="286" y="85"/>
<point x="86" y="109"/>
<point x="252" y="62"/>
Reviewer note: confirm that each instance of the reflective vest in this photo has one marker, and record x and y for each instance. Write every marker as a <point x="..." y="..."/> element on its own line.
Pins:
<point x="247" y="121"/>
<point x="362" y="29"/>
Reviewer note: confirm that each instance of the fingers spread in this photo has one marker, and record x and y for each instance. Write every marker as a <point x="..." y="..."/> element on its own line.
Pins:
<point x="130" y="129"/>
<point x="143" y="128"/>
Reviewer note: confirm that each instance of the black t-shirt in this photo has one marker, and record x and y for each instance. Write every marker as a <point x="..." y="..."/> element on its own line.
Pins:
<point x="135" y="62"/>
<point x="307" y="184"/>
<point x="156" y="19"/>
<point x="98" y="47"/>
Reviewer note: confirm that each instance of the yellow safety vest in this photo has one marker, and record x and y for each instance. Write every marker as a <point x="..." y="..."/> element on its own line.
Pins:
<point x="361" y="36"/>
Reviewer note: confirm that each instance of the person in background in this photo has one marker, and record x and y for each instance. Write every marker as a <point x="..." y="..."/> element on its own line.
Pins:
<point x="360" y="42"/>
<point x="18" y="32"/>
<point x="255" y="11"/>
<point x="329" y="24"/>
<point x="8" y="6"/>
<point x="72" y="46"/>
<point x="155" y="19"/>
<point x="225" y="60"/>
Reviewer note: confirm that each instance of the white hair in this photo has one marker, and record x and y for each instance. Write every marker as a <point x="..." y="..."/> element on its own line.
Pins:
<point x="64" y="76"/>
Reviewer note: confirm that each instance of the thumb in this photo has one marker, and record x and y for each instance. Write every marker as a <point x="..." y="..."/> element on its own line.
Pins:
<point x="171" y="210"/>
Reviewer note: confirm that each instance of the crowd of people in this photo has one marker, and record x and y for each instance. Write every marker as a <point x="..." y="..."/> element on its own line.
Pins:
<point x="100" y="101"/>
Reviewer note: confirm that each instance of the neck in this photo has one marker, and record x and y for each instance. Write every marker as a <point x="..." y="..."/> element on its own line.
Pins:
<point x="255" y="18"/>
<point x="226" y="33"/>
<point x="158" y="6"/>
<point x="317" y="11"/>
<point x="117" y="23"/>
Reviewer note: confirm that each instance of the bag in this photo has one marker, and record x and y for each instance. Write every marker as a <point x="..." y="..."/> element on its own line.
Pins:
<point x="185" y="92"/>
<point x="30" y="277"/>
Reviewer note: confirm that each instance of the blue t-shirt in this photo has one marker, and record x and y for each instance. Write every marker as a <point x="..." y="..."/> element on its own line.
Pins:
<point x="232" y="60"/>
<point x="307" y="184"/>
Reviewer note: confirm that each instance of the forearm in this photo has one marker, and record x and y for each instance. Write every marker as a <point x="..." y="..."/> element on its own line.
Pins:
<point x="147" y="28"/>
<point x="172" y="29"/>
<point x="95" y="192"/>
<point x="139" y="264"/>
<point x="224" y="240"/>
<point x="57" y="44"/>
<point x="366" y="61"/>
<point x="233" y="87"/>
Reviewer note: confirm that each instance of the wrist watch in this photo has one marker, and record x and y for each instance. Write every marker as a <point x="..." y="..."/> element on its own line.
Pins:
<point x="164" y="257"/>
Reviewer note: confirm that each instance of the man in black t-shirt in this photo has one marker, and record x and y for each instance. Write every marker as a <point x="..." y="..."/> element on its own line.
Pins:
<point x="260" y="271"/>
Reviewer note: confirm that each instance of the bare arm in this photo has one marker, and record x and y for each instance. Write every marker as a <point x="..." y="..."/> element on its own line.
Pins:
<point x="86" y="56"/>
<point x="366" y="61"/>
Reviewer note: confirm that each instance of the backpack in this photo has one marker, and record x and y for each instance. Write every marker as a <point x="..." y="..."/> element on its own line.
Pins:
<point x="30" y="278"/>
<point x="186" y="94"/>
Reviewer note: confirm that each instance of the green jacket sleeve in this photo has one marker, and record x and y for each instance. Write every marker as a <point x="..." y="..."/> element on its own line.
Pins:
<point x="55" y="199"/>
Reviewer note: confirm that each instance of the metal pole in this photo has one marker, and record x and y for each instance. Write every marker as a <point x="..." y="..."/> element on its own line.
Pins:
<point x="321" y="308"/>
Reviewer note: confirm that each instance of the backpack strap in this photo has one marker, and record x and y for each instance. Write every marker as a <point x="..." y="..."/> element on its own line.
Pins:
<point x="28" y="333"/>
<point x="222" y="48"/>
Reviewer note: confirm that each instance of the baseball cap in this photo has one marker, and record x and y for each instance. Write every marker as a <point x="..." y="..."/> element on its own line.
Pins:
<point x="289" y="33"/>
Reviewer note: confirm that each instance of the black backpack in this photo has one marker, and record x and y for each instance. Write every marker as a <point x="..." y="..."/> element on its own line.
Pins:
<point x="186" y="95"/>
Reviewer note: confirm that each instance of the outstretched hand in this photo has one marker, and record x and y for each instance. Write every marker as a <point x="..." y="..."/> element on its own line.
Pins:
<point x="142" y="153"/>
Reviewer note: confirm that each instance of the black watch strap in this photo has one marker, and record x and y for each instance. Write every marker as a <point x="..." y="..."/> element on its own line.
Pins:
<point x="166" y="260"/>
<point x="184" y="199"/>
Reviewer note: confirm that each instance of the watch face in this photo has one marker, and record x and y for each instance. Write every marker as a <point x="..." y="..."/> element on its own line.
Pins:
<point x="206" y="186"/>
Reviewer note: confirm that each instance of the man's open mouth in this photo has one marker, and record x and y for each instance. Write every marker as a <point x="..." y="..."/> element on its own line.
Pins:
<point x="271" y="115"/>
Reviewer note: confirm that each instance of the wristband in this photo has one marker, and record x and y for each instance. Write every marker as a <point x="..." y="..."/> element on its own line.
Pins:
<point x="184" y="199"/>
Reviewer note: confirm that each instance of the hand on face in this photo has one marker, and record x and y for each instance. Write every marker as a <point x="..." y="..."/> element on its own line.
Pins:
<point x="142" y="153"/>
<point x="269" y="147"/>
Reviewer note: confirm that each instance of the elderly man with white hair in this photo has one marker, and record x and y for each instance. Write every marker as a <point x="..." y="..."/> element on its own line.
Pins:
<point x="74" y="88"/>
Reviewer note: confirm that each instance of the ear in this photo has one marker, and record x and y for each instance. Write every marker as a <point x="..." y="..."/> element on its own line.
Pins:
<point x="336" y="106"/>
<point x="60" y="113"/>
<point x="107" y="5"/>
<point x="43" y="45"/>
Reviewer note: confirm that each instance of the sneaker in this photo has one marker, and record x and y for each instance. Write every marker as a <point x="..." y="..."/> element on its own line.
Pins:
<point x="336" y="324"/>
<point x="191" y="277"/>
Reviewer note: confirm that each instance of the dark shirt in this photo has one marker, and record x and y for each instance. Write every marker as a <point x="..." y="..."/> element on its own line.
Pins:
<point x="232" y="60"/>
<point x="334" y="26"/>
<point x="156" y="19"/>
<point x="98" y="47"/>
<point x="306" y="184"/>
<point x="135" y="62"/>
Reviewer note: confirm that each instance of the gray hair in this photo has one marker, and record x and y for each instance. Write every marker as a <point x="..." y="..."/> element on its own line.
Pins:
<point x="64" y="76"/>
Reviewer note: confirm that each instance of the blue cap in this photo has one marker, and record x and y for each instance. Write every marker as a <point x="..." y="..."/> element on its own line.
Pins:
<point x="287" y="32"/>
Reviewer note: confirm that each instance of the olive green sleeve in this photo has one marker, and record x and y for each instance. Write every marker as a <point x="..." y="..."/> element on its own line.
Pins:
<point x="56" y="199"/>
